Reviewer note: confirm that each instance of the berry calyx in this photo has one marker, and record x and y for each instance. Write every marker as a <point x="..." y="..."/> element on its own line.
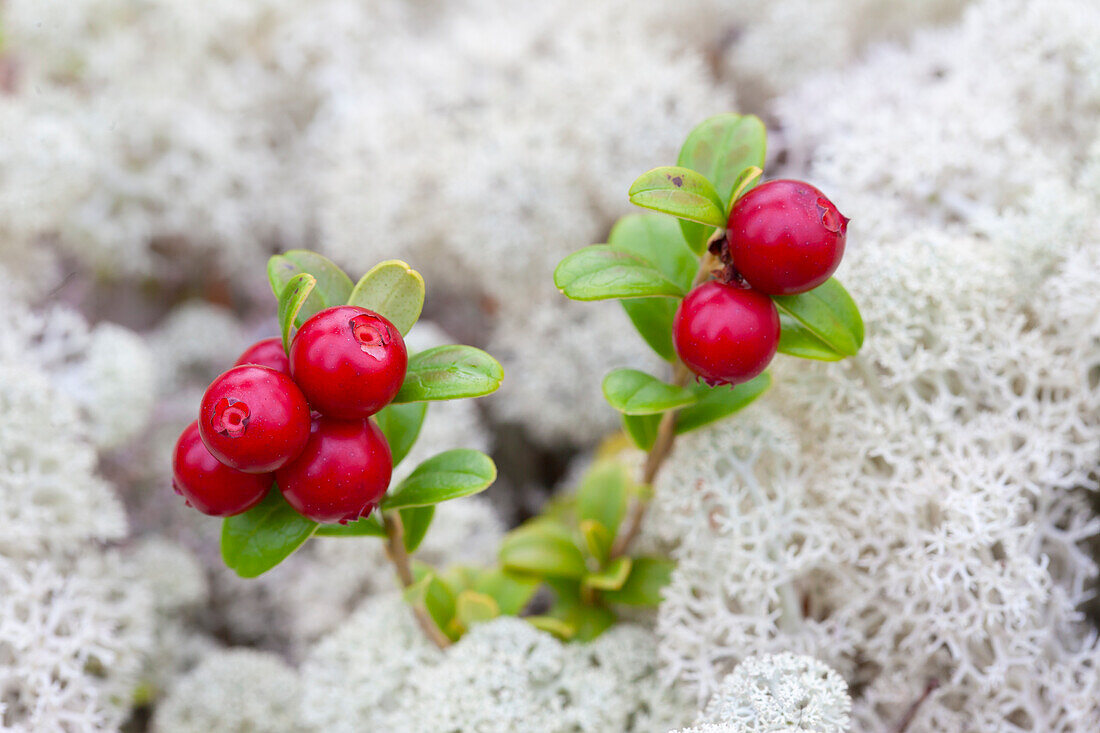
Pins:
<point x="254" y="419"/>
<point x="725" y="334"/>
<point x="208" y="484"/>
<point x="786" y="237"/>
<point x="269" y="353"/>
<point x="342" y="474"/>
<point x="349" y="361"/>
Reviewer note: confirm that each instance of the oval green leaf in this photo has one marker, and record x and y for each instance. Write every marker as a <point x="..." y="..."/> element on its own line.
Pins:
<point x="642" y="429"/>
<point x="511" y="591"/>
<point x="634" y="392"/>
<point x="601" y="272"/>
<point x="656" y="239"/>
<point x="716" y="403"/>
<point x="648" y="577"/>
<point x="532" y="549"/>
<point x="449" y="373"/>
<point x="602" y="494"/>
<point x="416" y="521"/>
<point x="472" y="608"/>
<point x="828" y="314"/>
<point x="681" y="192"/>
<point x="256" y="541"/>
<point x="333" y="284"/>
<point x="370" y="526"/>
<point x="445" y="476"/>
<point x="391" y="289"/>
<point x="401" y="425"/>
<point x="293" y="297"/>
<point x="652" y="318"/>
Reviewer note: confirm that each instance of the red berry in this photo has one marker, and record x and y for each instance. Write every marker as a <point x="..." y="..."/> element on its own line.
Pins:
<point x="209" y="485"/>
<point x="254" y="419"/>
<point x="342" y="473"/>
<point x="726" y="334"/>
<point x="349" y="361"/>
<point x="268" y="353"/>
<point x="785" y="237"/>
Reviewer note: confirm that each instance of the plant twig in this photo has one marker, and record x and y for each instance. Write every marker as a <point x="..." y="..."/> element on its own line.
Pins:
<point x="666" y="429"/>
<point x="395" y="549"/>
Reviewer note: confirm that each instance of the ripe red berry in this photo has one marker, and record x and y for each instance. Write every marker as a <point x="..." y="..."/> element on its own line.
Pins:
<point x="349" y="361"/>
<point x="254" y="419"/>
<point x="342" y="473"/>
<point x="209" y="485"/>
<point x="268" y="353"/>
<point x="785" y="237"/>
<point x="726" y="334"/>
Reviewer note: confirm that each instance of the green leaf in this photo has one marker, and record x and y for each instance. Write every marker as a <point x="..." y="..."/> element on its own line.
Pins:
<point x="681" y="192"/>
<point x="391" y="289"/>
<point x="416" y="521"/>
<point x="540" y="550"/>
<point x="417" y="593"/>
<point x="472" y="608"/>
<point x="291" y="300"/>
<point x="333" y="284"/>
<point x="652" y="317"/>
<point x="449" y="373"/>
<point x="602" y="272"/>
<point x="511" y="591"/>
<point x="597" y="540"/>
<point x="643" y="586"/>
<point x="401" y="425"/>
<point x="721" y="148"/>
<point x="633" y="392"/>
<point x="554" y="626"/>
<point x="589" y="620"/>
<point x="370" y="526"/>
<point x="657" y="240"/>
<point x="613" y="577"/>
<point x="716" y="403"/>
<point x="642" y="429"/>
<point x="438" y="596"/>
<point x="821" y="323"/>
<point x="448" y="475"/>
<point x="602" y="494"/>
<point x="256" y="541"/>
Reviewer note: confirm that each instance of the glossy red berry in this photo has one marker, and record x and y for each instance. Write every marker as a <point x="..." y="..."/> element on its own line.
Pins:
<point x="785" y="237"/>
<point x="349" y="361"/>
<point x="342" y="474"/>
<point x="726" y="334"/>
<point x="254" y="419"/>
<point x="268" y="353"/>
<point x="208" y="484"/>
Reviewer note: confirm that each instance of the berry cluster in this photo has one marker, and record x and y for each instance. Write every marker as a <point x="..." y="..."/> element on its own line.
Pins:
<point x="300" y="420"/>
<point x="783" y="238"/>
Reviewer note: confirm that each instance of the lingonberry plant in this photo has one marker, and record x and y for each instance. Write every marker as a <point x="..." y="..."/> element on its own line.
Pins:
<point x="287" y="448"/>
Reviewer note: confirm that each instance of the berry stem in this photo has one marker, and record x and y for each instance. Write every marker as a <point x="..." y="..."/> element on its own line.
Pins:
<point x="395" y="549"/>
<point x="666" y="429"/>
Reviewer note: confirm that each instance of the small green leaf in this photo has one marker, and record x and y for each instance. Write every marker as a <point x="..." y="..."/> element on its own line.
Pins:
<point x="391" y="289"/>
<point x="681" y="192"/>
<point x="417" y="593"/>
<point x="448" y="475"/>
<point x="602" y="494"/>
<point x="511" y="591"/>
<point x="643" y="587"/>
<point x="472" y="608"/>
<point x="540" y="550"/>
<point x="554" y="626"/>
<point x="657" y="240"/>
<point x="633" y="392"/>
<point x="721" y="148"/>
<point x="589" y="620"/>
<point x="828" y="314"/>
<point x="401" y="425"/>
<point x="291" y="300"/>
<point x="602" y="272"/>
<point x="416" y="521"/>
<point x="333" y="284"/>
<point x="449" y="373"/>
<point x="642" y="429"/>
<point x="597" y="540"/>
<point x="439" y="597"/>
<point x="613" y="577"/>
<point x="652" y="317"/>
<point x="370" y="526"/>
<point x="256" y="541"/>
<point x="744" y="183"/>
<point x="716" y="403"/>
